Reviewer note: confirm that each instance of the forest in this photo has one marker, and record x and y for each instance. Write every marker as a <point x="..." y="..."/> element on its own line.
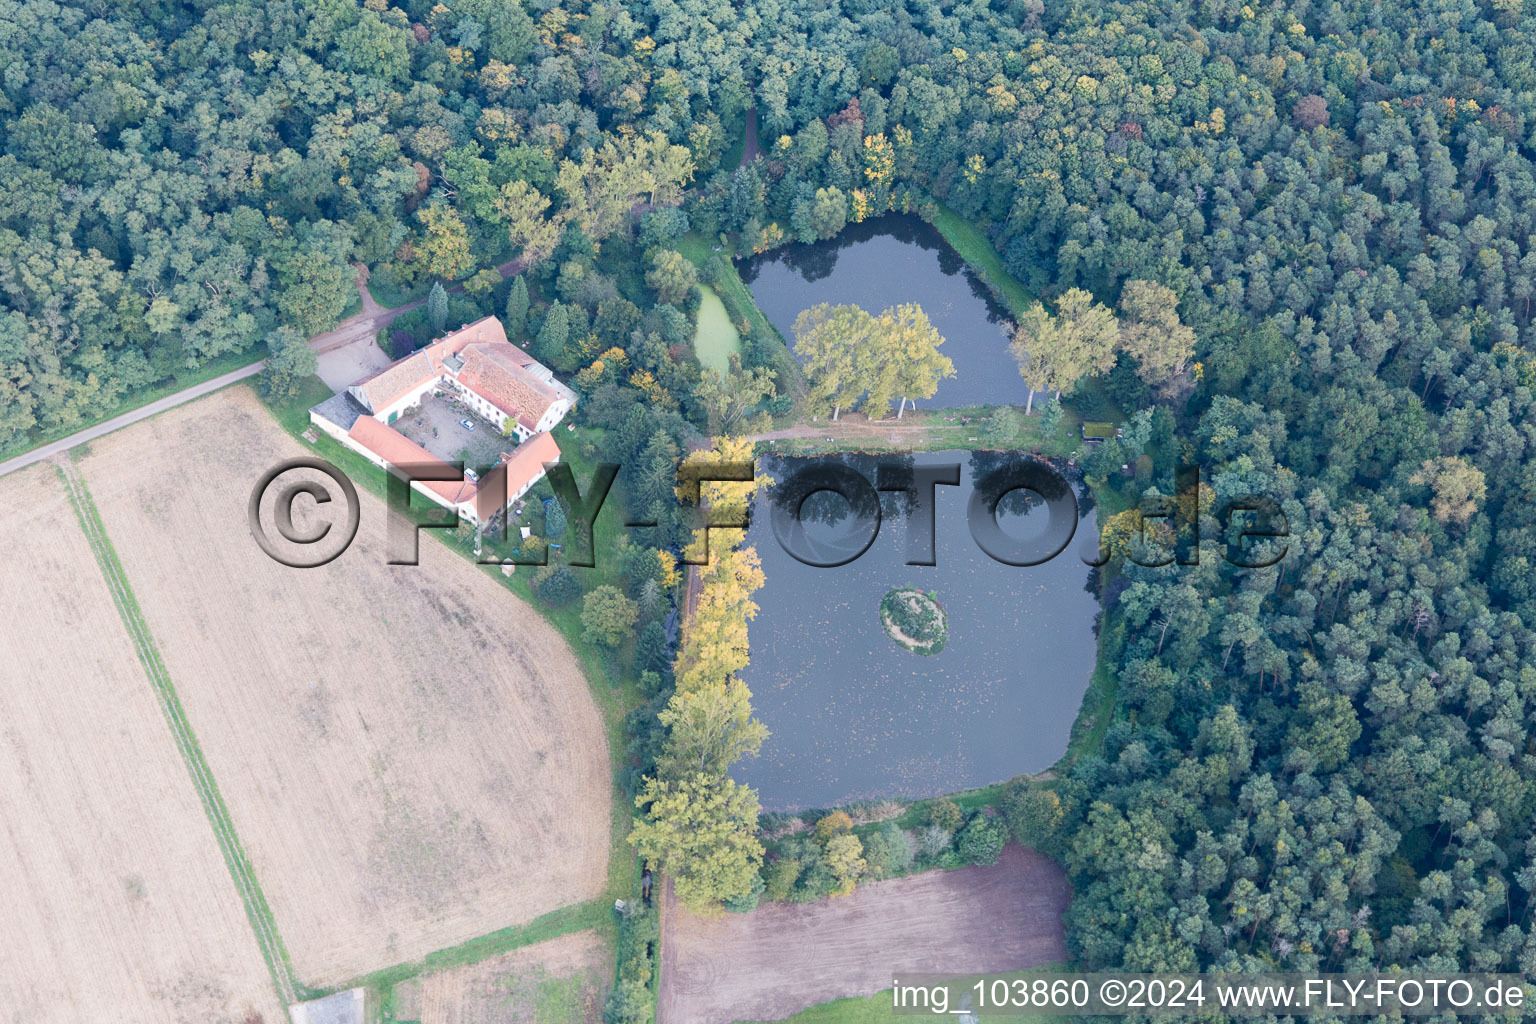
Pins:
<point x="1323" y="765"/>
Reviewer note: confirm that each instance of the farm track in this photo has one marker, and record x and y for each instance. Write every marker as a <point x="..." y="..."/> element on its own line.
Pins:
<point x="256" y="908"/>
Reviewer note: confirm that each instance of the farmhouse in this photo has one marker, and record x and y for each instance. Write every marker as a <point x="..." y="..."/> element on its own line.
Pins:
<point x="479" y="368"/>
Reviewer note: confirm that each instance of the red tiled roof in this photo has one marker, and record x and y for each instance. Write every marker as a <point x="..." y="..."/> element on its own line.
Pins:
<point x="400" y="451"/>
<point x="494" y="368"/>
<point x="519" y="469"/>
<point x="498" y="373"/>
<point x="397" y="379"/>
<point x="523" y="466"/>
<point x="487" y="328"/>
<point x="528" y="460"/>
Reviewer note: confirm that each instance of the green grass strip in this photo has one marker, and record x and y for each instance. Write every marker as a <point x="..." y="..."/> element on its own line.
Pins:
<point x="740" y="304"/>
<point x="967" y="240"/>
<point x="577" y="917"/>
<point x="880" y="1008"/>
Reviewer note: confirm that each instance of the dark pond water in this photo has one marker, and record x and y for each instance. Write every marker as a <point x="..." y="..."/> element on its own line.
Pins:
<point x="887" y="261"/>
<point x="853" y="715"/>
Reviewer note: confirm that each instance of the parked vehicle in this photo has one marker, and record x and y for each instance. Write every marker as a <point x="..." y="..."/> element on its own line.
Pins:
<point x="467" y="424"/>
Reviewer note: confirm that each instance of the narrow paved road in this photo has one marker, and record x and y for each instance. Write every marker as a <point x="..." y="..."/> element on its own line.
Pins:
<point x="358" y="328"/>
<point x="118" y="422"/>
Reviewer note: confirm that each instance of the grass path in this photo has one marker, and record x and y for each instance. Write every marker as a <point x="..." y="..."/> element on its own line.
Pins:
<point x="967" y="240"/>
<point x="594" y="914"/>
<point x="256" y="908"/>
<point x="918" y="430"/>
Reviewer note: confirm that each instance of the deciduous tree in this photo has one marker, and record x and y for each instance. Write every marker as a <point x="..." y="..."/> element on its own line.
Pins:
<point x="607" y="616"/>
<point x="1055" y="352"/>
<point x="1151" y="332"/>
<point x="671" y="276"/>
<point x="700" y="829"/>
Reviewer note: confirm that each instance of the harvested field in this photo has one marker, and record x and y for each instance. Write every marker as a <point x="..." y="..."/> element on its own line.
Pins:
<point x="117" y="903"/>
<point x="783" y="957"/>
<point x="410" y="754"/>
<point x="560" y="981"/>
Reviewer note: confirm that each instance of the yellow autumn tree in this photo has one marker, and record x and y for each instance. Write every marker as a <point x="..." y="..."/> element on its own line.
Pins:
<point x="879" y="169"/>
<point x="1121" y="532"/>
<point x="722" y="500"/>
<point x="522" y="207"/>
<point x="714" y="645"/>
<point x="445" y="249"/>
<point x="1456" y="487"/>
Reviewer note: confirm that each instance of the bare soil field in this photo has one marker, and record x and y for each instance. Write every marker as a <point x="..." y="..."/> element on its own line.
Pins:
<point x="560" y="981"/>
<point x="783" y="957"/>
<point x="117" y="903"/>
<point x="410" y="754"/>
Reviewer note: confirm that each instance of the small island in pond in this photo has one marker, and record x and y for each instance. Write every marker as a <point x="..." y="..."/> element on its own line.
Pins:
<point x="914" y="620"/>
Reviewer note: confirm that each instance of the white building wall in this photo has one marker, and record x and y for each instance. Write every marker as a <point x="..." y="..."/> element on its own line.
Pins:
<point x="330" y="428"/>
<point x="553" y="415"/>
<point x="406" y="401"/>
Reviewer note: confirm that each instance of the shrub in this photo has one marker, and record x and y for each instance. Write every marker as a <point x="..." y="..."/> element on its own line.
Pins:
<point x="1033" y="814"/>
<point x="945" y="814"/>
<point x="465" y="310"/>
<point x="607" y="616"/>
<point x="982" y="839"/>
<point x="651" y="683"/>
<point x="554" y="519"/>
<point x="747" y="901"/>
<point x="876" y="811"/>
<point x="1002" y="426"/>
<point x="934" y="841"/>
<point x="639" y="931"/>
<point x="531" y="550"/>
<point x="816" y="883"/>
<point x="782" y="875"/>
<point x="887" y="852"/>
<point x="833" y="824"/>
<point x="845" y="859"/>
<point x="629" y="1003"/>
<point x="409" y="331"/>
<point x="560" y="587"/>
